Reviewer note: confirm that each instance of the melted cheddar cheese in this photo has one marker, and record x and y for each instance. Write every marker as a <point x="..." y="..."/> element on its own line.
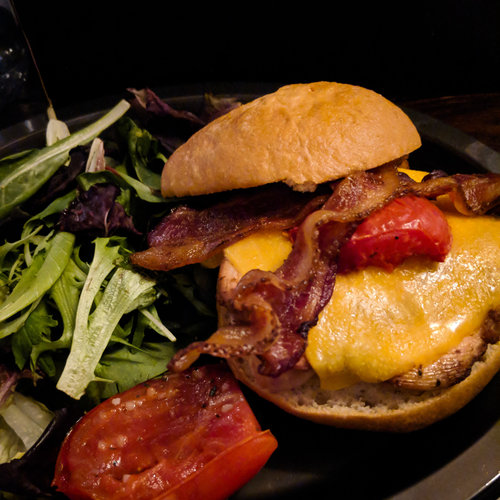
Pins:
<point x="379" y="324"/>
<point x="265" y="251"/>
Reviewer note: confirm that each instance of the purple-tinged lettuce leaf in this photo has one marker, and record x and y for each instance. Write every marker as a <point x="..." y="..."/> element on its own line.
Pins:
<point x="8" y="381"/>
<point x="147" y="101"/>
<point x="171" y="126"/>
<point x="97" y="212"/>
<point x="217" y="106"/>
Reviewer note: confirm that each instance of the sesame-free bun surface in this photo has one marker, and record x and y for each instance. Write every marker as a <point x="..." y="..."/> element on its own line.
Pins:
<point x="302" y="134"/>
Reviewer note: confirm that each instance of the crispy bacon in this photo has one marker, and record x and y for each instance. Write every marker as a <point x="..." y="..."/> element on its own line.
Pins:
<point x="471" y="194"/>
<point x="190" y="235"/>
<point x="296" y="293"/>
<point x="356" y="196"/>
<point x="271" y="313"/>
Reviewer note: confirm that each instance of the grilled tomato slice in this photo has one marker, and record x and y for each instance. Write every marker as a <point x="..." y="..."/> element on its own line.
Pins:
<point x="187" y="435"/>
<point x="405" y="227"/>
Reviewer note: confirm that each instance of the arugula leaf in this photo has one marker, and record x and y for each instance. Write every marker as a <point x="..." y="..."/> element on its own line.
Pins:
<point x="23" y="176"/>
<point x="63" y="181"/>
<point x="142" y="190"/>
<point x="8" y="248"/>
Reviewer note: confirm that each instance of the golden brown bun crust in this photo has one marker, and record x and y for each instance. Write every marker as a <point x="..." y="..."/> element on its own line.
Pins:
<point x="302" y="134"/>
<point x="374" y="407"/>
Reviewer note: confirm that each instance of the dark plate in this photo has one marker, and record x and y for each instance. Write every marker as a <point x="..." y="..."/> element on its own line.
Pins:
<point x="457" y="458"/>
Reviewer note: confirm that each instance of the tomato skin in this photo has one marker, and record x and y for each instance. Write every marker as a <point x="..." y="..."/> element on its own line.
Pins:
<point x="227" y="472"/>
<point x="166" y="435"/>
<point x="405" y="227"/>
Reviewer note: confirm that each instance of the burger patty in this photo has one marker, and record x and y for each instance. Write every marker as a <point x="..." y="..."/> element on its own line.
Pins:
<point x="455" y="365"/>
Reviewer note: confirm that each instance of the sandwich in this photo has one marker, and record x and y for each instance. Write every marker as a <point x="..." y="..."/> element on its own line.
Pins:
<point x="353" y="291"/>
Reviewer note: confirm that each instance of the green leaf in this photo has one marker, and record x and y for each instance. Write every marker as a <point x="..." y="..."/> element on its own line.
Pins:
<point x="142" y="190"/>
<point x="155" y="323"/>
<point x="143" y="151"/>
<point x="36" y="329"/>
<point x="66" y="294"/>
<point x="23" y="176"/>
<point x="129" y="367"/>
<point x="9" y="327"/>
<point x="54" y="208"/>
<point x="125" y="291"/>
<point x="123" y="180"/>
<point x="37" y="279"/>
<point x="8" y="247"/>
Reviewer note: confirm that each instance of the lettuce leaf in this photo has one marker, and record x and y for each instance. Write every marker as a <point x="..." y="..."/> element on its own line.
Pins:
<point x="126" y="367"/>
<point x="39" y="277"/>
<point x="24" y="418"/>
<point x="125" y="291"/>
<point x="36" y="329"/>
<point x="143" y="152"/>
<point x="97" y="211"/>
<point x="22" y="176"/>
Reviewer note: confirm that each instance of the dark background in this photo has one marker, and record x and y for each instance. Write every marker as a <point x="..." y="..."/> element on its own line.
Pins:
<point x="91" y="50"/>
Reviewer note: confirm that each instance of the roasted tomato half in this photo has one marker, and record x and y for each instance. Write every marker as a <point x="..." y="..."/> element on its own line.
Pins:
<point x="405" y="227"/>
<point x="187" y="435"/>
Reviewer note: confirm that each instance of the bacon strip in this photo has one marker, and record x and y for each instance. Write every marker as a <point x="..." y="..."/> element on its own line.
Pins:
<point x="356" y="196"/>
<point x="190" y="235"/>
<point x="271" y="313"/>
<point x="297" y="292"/>
<point x="471" y="194"/>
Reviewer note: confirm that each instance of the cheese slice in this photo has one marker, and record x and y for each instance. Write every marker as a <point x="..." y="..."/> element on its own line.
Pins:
<point x="416" y="175"/>
<point x="379" y="324"/>
<point x="263" y="250"/>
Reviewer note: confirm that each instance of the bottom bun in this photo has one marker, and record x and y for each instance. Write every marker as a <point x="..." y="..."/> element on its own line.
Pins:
<point x="375" y="407"/>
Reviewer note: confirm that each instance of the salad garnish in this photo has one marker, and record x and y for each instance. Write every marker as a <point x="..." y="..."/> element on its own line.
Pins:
<point x="78" y="323"/>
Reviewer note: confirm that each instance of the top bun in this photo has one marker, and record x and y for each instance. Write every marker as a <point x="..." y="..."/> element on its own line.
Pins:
<point x="302" y="134"/>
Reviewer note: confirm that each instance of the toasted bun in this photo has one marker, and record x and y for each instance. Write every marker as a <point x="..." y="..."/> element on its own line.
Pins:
<point x="302" y="134"/>
<point x="375" y="407"/>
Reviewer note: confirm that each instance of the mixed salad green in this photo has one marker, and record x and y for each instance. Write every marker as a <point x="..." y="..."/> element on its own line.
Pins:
<point x="77" y="322"/>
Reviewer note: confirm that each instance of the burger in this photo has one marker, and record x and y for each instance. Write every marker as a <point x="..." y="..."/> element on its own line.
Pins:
<point x="353" y="291"/>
